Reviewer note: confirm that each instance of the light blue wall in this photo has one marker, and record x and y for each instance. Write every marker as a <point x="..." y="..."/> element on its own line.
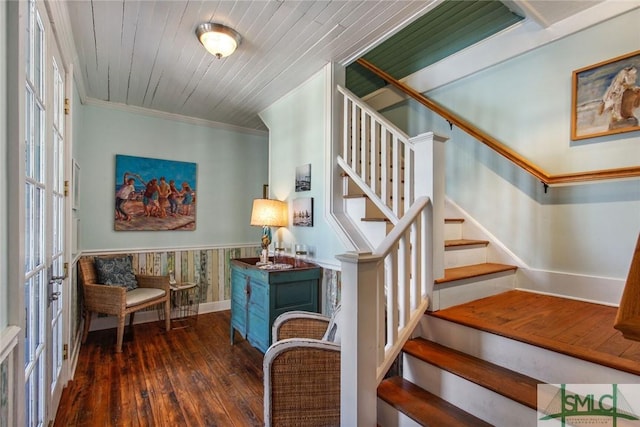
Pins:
<point x="231" y="168"/>
<point x="525" y="102"/>
<point x="4" y="297"/>
<point x="298" y="135"/>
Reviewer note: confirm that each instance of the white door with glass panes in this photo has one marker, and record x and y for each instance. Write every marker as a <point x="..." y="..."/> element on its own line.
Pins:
<point x="45" y="212"/>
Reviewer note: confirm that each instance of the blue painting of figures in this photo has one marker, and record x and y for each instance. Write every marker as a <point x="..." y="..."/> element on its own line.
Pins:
<point x="154" y="194"/>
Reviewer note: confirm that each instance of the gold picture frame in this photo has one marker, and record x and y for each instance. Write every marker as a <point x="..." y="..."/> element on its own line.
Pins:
<point x="606" y="98"/>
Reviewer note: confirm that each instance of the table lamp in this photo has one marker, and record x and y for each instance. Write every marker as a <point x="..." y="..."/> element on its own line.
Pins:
<point x="268" y="213"/>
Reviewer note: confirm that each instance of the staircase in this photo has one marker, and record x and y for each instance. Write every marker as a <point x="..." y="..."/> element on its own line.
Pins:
<point x="475" y="357"/>
<point x="486" y="358"/>
<point x="469" y="272"/>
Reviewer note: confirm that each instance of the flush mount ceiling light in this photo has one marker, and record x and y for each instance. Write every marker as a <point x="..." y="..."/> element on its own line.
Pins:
<point x="218" y="39"/>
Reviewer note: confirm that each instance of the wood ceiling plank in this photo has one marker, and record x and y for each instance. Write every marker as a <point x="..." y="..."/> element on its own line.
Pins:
<point x="149" y="32"/>
<point x="275" y="29"/>
<point x="81" y="20"/>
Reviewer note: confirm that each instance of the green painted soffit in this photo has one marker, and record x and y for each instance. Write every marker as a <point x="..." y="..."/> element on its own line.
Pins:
<point x="443" y="31"/>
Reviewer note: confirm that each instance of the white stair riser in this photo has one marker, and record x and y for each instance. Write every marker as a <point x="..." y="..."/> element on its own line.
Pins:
<point x="452" y="230"/>
<point x="542" y="364"/>
<point x="460" y="256"/>
<point x="388" y="416"/>
<point x="356" y="208"/>
<point x="373" y="231"/>
<point x="461" y="291"/>
<point x="468" y="396"/>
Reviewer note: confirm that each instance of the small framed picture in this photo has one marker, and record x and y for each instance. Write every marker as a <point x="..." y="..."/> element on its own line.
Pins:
<point x="303" y="177"/>
<point x="303" y="212"/>
<point x="606" y="97"/>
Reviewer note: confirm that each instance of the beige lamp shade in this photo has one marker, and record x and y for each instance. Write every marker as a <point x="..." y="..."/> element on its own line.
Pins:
<point x="270" y="213"/>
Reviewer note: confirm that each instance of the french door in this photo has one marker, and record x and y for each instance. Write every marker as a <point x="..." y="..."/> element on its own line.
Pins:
<point x="44" y="219"/>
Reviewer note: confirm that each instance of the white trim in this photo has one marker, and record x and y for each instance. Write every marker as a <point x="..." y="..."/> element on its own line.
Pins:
<point x="111" y="322"/>
<point x="428" y="5"/>
<point x="8" y="341"/>
<point x="166" y="249"/>
<point x="594" y="289"/>
<point x="172" y="116"/>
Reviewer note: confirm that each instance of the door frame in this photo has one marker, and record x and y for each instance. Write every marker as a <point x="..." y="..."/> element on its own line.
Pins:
<point x="16" y="18"/>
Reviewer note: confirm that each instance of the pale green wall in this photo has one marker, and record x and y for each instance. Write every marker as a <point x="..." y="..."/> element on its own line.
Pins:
<point x="297" y="136"/>
<point x="4" y="299"/>
<point x="525" y="102"/>
<point x="231" y="168"/>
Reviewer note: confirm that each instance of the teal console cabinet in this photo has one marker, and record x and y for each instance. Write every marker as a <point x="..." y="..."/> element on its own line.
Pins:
<point x="258" y="296"/>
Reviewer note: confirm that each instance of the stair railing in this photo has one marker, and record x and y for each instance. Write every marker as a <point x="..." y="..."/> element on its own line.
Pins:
<point x="385" y="292"/>
<point x="384" y="296"/>
<point x="534" y="170"/>
<point x="377" y="156"/>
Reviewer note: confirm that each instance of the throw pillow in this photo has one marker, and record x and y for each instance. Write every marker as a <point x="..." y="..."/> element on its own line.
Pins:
<point x="333" y="330"/>
<point x="117" y="271"/>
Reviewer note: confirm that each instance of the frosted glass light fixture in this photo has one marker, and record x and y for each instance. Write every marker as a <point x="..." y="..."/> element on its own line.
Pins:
<point x="218" y="39"/>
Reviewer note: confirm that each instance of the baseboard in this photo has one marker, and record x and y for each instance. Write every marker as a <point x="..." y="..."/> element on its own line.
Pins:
<point x="110" y="322"/>
<point x="599" y="290"/>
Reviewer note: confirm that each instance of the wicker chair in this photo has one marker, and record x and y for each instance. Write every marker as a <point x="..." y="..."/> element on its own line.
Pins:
<point x="117" y="301"/>
<point x="301" y="373"/>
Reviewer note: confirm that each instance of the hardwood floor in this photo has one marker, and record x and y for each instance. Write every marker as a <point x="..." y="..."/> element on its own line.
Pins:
<point x="186" y="377"/>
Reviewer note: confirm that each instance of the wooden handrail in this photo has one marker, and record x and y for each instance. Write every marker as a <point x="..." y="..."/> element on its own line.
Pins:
<point x="546" y="178"/>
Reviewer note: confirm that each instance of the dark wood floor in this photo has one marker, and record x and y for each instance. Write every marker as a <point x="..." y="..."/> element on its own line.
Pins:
<point x="194" y="377"/>
<point x="576" y="328"/>
<point x="187" y="377"/>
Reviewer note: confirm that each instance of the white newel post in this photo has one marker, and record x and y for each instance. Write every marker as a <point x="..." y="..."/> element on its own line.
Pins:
<point x="358" y="398"/>
<point x="429" y="181"/>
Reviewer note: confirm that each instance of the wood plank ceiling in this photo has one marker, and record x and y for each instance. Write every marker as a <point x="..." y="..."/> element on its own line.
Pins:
<point x="144" y="53"/>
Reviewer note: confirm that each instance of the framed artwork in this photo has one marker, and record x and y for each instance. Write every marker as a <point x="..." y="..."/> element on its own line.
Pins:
<point x="303" y="212"/>
<point x="303" y="177"/>
<point x="154" y="194"/>
<point x="606" y="98"/>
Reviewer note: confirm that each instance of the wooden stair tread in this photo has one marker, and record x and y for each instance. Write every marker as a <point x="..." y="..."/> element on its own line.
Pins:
<point x="453" y="220"/>
<point x="422" y="406"/>
<point x="475" y="270"/>
<point x="355" y="196"/>
<point x="510" y="384"/>
<point x="454" y="243"/>
<point x="374" y="219"/>
<point x="575" y="328"/>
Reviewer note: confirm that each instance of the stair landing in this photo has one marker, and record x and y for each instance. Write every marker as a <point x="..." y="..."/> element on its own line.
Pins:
<point x="575" y="328"/>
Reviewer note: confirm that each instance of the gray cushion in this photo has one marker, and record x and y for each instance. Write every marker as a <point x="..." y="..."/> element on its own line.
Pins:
<point x="116" y="271"/>
<point x="140" y="295"/>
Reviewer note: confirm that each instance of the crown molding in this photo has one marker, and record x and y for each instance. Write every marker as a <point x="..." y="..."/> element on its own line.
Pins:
<point x="172" y="116"/>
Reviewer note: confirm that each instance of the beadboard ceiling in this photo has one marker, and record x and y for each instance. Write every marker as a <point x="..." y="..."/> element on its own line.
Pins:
<point x="144" y="53"/>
